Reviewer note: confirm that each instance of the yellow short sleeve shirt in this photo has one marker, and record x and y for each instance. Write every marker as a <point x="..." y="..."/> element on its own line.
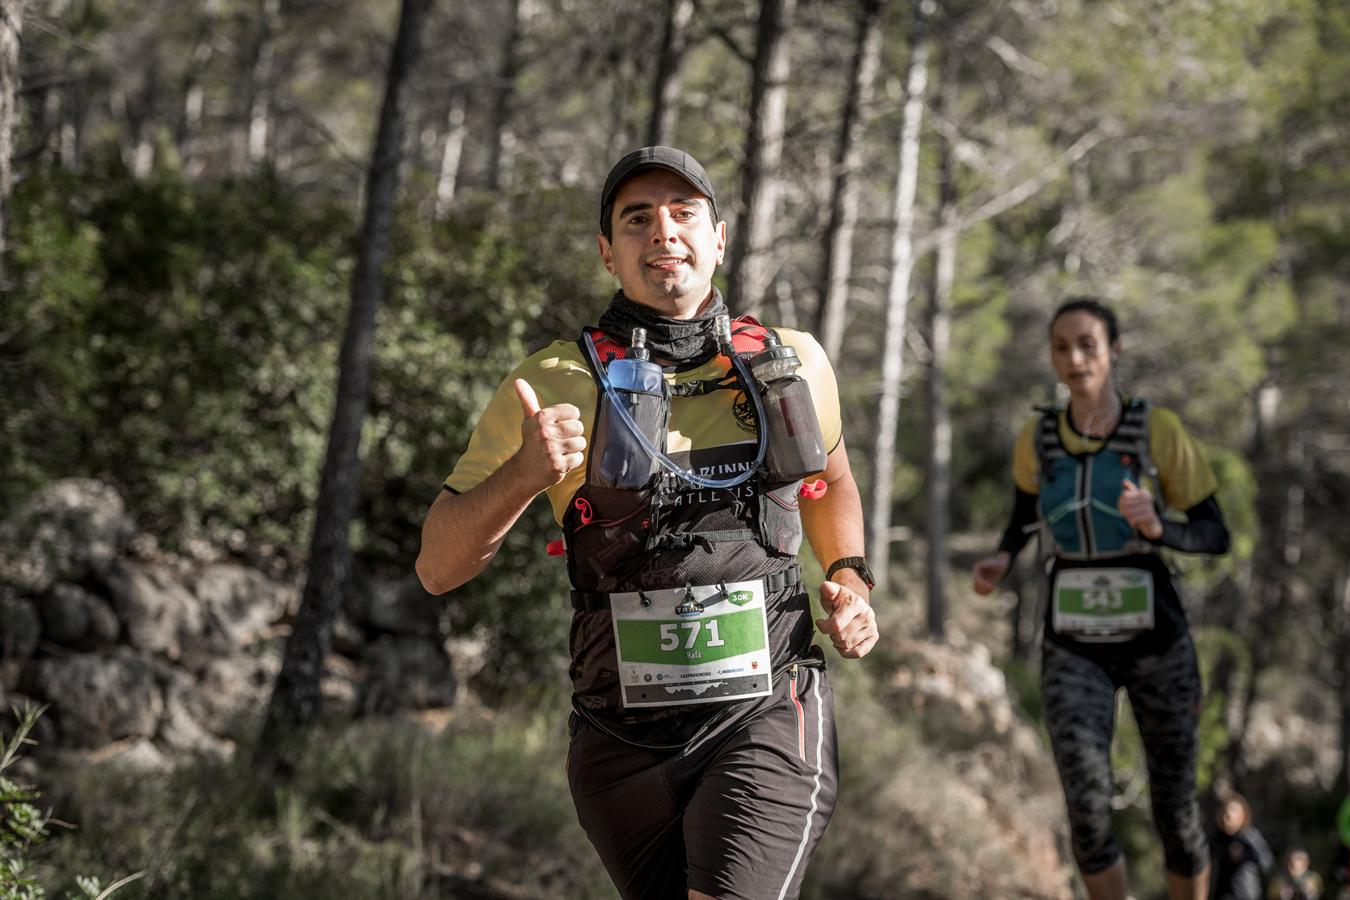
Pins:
<point x="559" y="374"/>
<point x="1185" y="476"/>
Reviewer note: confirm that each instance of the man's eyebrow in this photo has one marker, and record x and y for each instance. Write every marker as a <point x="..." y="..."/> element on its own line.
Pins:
<point x="675" y="201"/>
<point x="632" y="208"/>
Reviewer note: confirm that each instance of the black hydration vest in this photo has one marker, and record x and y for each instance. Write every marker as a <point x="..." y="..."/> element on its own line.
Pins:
<point x="672" y="533"/>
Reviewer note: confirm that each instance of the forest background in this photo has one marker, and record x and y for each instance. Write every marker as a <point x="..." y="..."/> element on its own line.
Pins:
<point x="210" y="210"/>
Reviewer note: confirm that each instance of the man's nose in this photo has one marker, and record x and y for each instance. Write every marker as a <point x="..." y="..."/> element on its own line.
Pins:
<point x="665" y="228"/>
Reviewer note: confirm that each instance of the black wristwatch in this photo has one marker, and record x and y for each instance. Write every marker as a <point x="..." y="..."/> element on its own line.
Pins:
<point x="857" y="564"/>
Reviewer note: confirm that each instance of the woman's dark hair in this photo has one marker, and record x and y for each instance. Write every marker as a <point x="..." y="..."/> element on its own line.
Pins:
<point x="1093" y="307"/>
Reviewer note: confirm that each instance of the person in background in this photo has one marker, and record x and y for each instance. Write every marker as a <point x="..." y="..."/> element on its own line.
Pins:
<point x="1297" y="881"/>
<point x="1241" y="856"/>
<point x="1093" y="477"/>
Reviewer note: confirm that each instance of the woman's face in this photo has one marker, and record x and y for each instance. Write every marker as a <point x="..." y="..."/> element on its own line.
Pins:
<point x="1081" y="353"/>
<point x="1233" y="818"/>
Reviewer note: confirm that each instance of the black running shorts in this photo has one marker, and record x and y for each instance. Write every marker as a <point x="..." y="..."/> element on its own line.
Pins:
<point x="736" y="814"/>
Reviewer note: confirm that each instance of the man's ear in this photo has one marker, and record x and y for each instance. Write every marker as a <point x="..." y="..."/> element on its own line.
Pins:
<point x="605" y="257"/>
<point x="721" y="240"/>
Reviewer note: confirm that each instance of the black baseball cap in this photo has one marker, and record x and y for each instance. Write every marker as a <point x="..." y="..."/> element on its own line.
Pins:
<point x="677" y="161"/>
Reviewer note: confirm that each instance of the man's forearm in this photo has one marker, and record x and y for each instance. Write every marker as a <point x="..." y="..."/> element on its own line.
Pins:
<point x="462" y="532"/>
<point x="834" y="525"/>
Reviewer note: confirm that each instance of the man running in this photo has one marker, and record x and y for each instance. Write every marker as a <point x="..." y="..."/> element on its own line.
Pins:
<point x="702" y="759"/>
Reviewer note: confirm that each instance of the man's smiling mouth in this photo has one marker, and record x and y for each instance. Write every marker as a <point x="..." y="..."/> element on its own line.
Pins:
<point x="666" y="262"/>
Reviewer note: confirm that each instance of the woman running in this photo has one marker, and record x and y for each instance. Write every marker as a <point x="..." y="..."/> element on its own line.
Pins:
<point x="1094" y="478"/>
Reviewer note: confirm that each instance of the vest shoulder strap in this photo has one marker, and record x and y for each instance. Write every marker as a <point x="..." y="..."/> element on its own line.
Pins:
<point x="1131" y="435"/>
<point x="1049" y="445"/>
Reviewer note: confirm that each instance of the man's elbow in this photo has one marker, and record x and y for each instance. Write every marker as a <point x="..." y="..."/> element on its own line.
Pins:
<point x="433" y="582"/>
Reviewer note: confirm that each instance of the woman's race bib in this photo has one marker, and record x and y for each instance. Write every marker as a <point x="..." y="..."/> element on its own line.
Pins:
<point x="1105" y="605"/>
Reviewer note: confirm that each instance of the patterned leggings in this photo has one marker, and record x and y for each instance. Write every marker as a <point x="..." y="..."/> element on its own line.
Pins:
<point x="1079" y="696"/>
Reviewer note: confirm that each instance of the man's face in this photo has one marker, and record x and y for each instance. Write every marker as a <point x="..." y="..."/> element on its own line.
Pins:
<point x="665" y="245"/>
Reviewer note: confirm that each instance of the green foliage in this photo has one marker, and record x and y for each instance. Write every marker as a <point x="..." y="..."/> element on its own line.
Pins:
<point x="384" y="808"/>
<point x="176" y="340"/>
<point x="180" y="340"/>
<point x="24" y="828"/>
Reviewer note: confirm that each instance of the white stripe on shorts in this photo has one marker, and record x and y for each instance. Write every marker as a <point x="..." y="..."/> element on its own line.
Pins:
<point x="815" y="794"/>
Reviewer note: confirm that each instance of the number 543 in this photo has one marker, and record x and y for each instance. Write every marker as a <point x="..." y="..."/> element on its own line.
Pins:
<point x="670" y="634"/>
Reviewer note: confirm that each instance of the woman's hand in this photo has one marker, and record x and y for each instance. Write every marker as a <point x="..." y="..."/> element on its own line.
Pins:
<point x="988" y="572"/>
<point x="1136" y="505"/>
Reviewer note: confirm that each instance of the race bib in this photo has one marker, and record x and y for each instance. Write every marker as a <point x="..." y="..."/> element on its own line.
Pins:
<point x="1102" y="604"/>
<point x="692" y="645"/>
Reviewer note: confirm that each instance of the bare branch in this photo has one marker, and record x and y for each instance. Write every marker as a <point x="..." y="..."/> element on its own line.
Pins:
<point x="1021" y="192"/>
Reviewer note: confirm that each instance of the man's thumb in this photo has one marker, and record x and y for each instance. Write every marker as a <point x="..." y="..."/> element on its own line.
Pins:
<point x="1130" y="486"/>
<point x="528" y="401"/>
<point x="829" y="592"/>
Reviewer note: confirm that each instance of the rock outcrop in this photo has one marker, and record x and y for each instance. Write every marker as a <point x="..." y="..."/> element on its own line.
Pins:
<point x="147" y="656"/>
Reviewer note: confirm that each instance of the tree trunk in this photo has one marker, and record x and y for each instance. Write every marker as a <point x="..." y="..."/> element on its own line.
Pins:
<point x="833" y="291"/>
<point x="939" y="340"/>
<point x="451" y="155"/>
<point x="1341" y="666"/>
<point x="504" y="104"/>
<point x="145" y="121"/>
<point x="295" y="700"/>
<point x="666" y="86"/>
<point x="11" y="27"/>
<point x="263" y="88"/>
<point x="748" y="279"/>
<point x="1280" y="509"/>
<point x="194" y="95"/>
<point x="897" y="298"/>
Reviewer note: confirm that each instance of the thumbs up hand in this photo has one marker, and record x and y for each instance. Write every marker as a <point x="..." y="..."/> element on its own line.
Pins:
<point x="551" y="439"/>
<point x="1136" y="505"/>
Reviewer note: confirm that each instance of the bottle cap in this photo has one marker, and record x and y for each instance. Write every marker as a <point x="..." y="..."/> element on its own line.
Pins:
<point x="773" y="354"/>
<point x="638" y="346"/>
<point x="722" y="326"/>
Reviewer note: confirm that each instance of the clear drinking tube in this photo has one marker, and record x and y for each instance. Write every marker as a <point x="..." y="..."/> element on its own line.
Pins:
<point x="666" y="462"/>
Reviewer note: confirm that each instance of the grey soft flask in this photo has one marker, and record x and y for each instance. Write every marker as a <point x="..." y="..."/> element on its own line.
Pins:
<point x="639" y="385"/>
<point x="796" y="448"/>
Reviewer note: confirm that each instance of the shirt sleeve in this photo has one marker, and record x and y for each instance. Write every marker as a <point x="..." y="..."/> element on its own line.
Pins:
<point x="818" y="373"/>
<point x="1026" y="466"/>
<point x="558" y="375"/>
<point x="1203" y="531"/>
<point x="1024" y="515"/>
<point x="1183" y="472"/>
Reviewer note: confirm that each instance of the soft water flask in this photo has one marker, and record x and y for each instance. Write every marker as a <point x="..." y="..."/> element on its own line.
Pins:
<point x="796" y="448"/>
<point x="641" y="388"/>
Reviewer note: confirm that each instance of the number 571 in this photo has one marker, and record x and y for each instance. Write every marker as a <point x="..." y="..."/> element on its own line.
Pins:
<point x="670" y="635"/>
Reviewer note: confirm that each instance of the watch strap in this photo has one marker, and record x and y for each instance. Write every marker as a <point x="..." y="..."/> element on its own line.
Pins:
<point x="858" y="564"/>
